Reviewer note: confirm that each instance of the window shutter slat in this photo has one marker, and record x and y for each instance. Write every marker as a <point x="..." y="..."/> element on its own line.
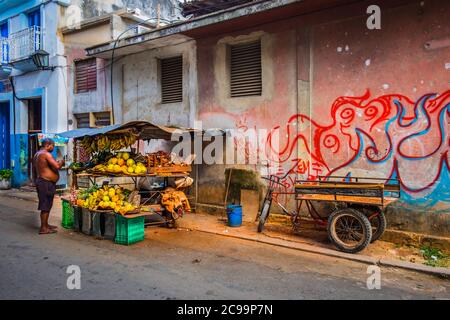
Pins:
<point x="172" y="80"/>
<point x="86" y="75"/>
<point x="245" y="70"/>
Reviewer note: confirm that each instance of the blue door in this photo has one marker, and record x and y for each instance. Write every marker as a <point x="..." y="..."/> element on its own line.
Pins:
<point x="4" y="33"/>
<point x="5" y="157"/>
<point x="34" y="20"/>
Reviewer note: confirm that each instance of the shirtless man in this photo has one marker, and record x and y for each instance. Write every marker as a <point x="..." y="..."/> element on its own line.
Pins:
<point x="47" y="176"/>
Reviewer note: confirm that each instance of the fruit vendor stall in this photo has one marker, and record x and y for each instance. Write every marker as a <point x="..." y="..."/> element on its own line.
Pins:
<point x="127" y="183"/>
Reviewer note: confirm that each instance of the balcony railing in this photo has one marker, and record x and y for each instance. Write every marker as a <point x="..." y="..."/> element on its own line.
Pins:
<point x="24" y="43"/>
<point x="4" y="51"/>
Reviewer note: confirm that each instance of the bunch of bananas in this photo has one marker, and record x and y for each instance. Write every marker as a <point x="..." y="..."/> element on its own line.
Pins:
<point x="112" y="142"/>
<point x="103" y="143"/>
<point x="118" y="142"/>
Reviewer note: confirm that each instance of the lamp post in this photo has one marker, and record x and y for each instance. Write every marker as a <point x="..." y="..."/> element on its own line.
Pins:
<point x="41" y="60"/>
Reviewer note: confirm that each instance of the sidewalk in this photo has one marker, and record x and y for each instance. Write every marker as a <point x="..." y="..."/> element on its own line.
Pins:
<point x="312" y="240"/>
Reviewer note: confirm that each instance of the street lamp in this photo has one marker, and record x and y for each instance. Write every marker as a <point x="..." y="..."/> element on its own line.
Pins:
<point x="41" y="60"/>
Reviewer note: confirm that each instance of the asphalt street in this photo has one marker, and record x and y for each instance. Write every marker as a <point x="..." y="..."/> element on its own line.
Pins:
<point x="181" y="264"/>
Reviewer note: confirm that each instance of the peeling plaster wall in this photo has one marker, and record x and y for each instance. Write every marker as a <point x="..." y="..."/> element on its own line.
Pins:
<point x="91" y="8"/>
<point x="348" y="101"/>
<point x="141" y="92"/>
<point x="74" y="45"/>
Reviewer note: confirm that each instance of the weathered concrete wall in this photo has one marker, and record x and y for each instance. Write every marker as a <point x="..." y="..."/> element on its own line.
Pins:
<point x="141" y="92"/>
<point x="348" y="101"/>
<point x="91" y="8"/>
<point x="74" y="45"/>
<point x="398" y="120"/>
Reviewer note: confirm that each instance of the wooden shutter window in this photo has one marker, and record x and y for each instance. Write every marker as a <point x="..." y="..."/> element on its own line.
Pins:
<point x="245" y="70"/>
<point x="85" y="75"/>
<point x="82" y="120"/>
<point x="172" y="80"/>
<point x="102" y="118"/>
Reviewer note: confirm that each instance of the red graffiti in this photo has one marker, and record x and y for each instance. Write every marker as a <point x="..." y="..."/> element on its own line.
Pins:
<point x="376" y="137"/>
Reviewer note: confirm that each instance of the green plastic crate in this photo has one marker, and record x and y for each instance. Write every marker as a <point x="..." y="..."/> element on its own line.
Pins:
<point x="67" y="214"/>
<point x="129" y="231"/>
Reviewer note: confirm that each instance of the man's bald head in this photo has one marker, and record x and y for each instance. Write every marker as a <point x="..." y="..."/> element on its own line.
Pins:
<point x="48" y="144"/>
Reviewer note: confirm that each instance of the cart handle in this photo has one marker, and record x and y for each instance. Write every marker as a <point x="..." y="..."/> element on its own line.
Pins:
<point x="357" y="178"/>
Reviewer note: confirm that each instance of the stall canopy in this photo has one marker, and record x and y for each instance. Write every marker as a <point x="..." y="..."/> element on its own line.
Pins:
<point x="145" y="129"/>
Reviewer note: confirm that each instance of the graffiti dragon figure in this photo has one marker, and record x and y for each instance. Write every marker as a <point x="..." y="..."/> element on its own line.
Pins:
<point x="388" y="136"/>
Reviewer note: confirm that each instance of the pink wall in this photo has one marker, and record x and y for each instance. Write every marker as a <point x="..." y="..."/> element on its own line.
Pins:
<point x="380" y="102"/>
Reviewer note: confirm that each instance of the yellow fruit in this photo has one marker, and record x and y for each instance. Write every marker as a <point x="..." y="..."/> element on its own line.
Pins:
<point x="111" y="192"/>
<point x="110" y="167"/>
<point x="119" y="155"/>
<point x="115" y="198"/>
<point x="130" y="170"/>
<point x="106" y="199"/>
<point x="114" y="160"/>
<point x="124" y="169"/>
<point x="112" y="205"/>
<point x="120" y="162"/>
<point x="117" y="168"/>
<point x="142" y="169"/>
<point x="126" y="156"/>
<point x="130" y="162"/>
<point x="101" y="204"/>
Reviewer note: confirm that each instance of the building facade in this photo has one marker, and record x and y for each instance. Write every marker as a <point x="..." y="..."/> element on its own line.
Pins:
<point x="342" y="97"/>
<point x="32" y="91"/>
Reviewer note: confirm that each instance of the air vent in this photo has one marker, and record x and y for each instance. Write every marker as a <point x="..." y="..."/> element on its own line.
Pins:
<point x="172" y="80"/>
<point x="245" y="70"/>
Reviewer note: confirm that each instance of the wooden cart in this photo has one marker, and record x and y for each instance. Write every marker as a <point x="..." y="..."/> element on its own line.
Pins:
<point x="358" y="216"/>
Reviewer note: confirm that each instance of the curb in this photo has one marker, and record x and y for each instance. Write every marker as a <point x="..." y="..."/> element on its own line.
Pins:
<point x="440" y="272"/>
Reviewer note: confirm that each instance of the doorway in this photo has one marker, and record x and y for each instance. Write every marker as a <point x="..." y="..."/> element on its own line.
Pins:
<point x="5" y="156"/>
<point x="34" y="128"/>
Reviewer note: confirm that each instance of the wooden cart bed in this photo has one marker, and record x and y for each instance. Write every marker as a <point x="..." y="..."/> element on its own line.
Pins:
<point x="352" y="192"/>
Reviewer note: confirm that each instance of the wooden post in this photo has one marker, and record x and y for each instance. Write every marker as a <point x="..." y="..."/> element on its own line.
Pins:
<point x="75" y="154"/>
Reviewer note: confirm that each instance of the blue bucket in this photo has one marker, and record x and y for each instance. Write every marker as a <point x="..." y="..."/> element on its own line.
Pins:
<point x="234" y="213"/>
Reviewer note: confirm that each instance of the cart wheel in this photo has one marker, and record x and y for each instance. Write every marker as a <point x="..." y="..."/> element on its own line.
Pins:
<point x="378" y="223"/>
<point x="264" y="214"/>
<point x="349" y="230"/>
